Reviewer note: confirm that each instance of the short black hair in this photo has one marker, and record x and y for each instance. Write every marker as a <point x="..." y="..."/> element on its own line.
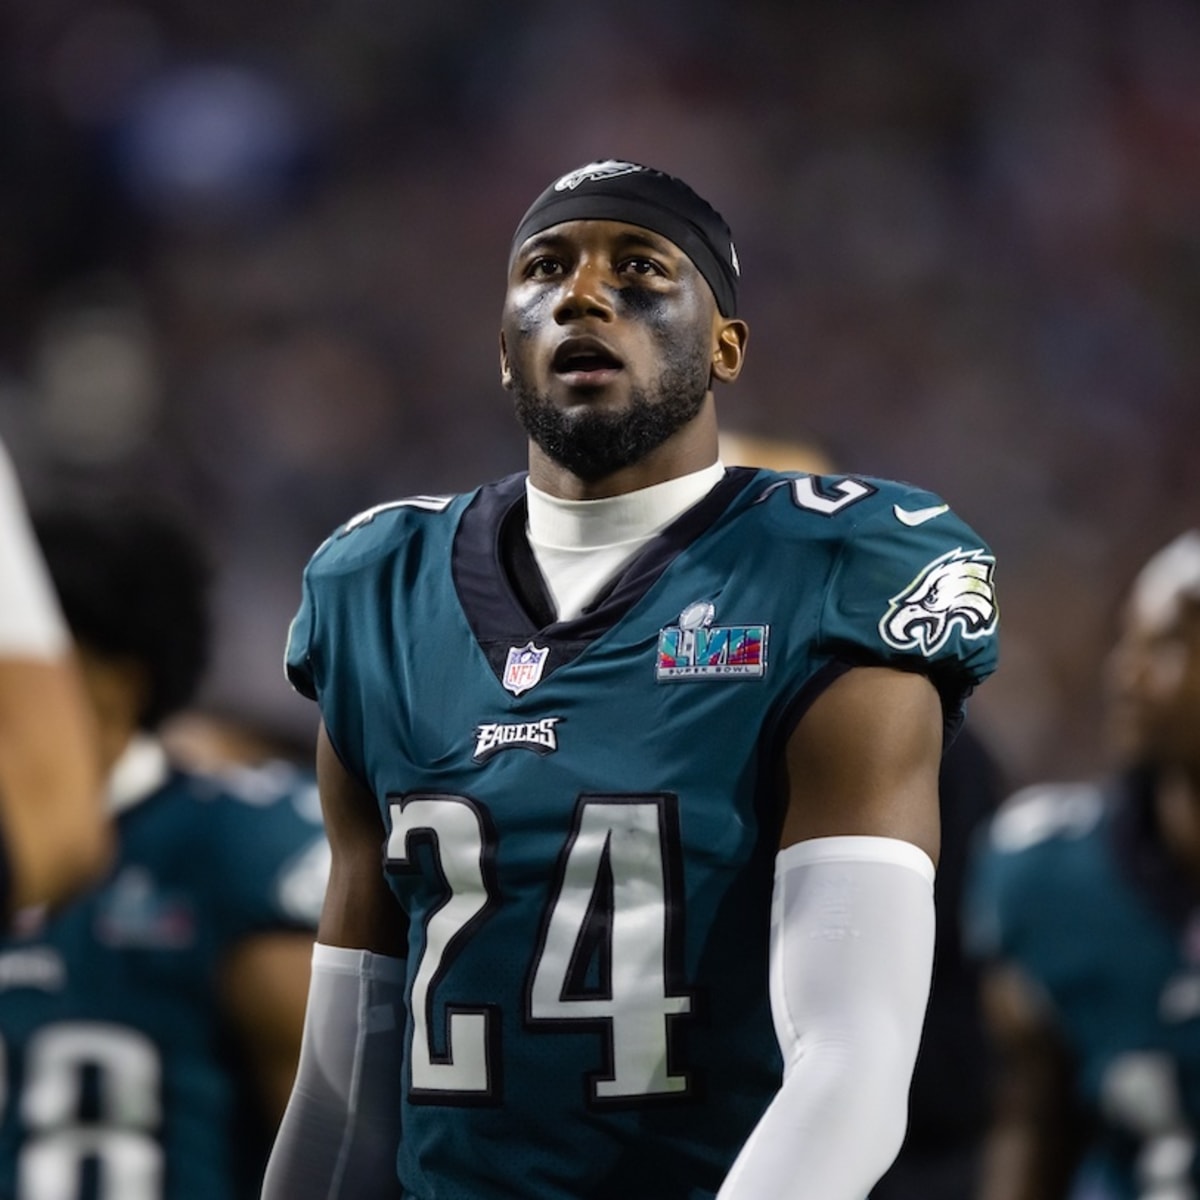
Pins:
<point x="134" y="575"/>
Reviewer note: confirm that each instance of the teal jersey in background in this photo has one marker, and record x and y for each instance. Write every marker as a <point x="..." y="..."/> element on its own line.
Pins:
<point x="1073" y="887"/>
<point x="122" y="1080"/>
<point x="582" y="817"/>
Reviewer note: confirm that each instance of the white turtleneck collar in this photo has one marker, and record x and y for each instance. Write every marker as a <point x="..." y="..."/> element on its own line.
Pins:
<point x="579" y="545"/>
<point x="140" y="771"/>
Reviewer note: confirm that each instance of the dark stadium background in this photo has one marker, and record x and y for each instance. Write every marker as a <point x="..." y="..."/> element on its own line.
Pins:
<point x="252" y="253"/>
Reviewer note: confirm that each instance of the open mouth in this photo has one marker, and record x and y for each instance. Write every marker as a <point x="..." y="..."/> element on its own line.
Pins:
<point x="581" y="361"/>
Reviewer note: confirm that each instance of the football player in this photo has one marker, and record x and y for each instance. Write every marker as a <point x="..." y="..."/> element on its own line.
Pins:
<point x="149" y="1029"/>
<point x="1085" y="903"/>
<point x="629" y="766"/>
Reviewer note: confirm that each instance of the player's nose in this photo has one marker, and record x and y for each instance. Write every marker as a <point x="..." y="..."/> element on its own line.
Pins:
<point x="586" y="292"/>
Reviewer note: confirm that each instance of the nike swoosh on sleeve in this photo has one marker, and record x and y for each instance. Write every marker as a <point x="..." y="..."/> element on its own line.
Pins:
<point x="918" y="516"/>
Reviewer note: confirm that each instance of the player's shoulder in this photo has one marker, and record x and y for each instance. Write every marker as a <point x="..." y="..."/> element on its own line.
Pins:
<point x="263" y="824"/>
<point x="1043" y="872"/>
<point x="202" y="812"/>
<point x="380" y="532"/>
<point x="247" y="793"/>
<point x="1046" y="820"/>
<point x="845" y="506"/>
<point x="902" y="568"/>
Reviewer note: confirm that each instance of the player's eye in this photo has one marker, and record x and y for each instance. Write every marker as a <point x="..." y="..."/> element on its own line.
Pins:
<point x="641" y="266"/>
<point x="544" y="266"/>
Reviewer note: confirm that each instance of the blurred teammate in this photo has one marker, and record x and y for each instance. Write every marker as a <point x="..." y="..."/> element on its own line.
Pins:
<point x="149" y="1030"/>
<point x="1086" y="900"/>
<point x="580" y="726"/>
<point x="54" y="835"/>
<point x="950" y="1098"/>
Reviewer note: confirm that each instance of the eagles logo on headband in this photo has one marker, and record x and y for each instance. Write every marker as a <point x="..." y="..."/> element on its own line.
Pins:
<point x="614" y="190"/>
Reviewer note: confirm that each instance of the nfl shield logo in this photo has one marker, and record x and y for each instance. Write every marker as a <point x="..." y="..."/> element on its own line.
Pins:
<point x="524" y="667"/>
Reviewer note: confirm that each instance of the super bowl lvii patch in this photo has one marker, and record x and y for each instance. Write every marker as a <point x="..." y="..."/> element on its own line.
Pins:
<point x="698" y="649"/>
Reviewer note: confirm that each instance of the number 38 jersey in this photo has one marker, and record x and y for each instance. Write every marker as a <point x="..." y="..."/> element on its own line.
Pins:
<point x="582" y="817"/>
<point x="122" y="1081"/>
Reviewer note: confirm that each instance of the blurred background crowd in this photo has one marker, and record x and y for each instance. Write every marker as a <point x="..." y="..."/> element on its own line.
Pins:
<point x="253" y="255"/>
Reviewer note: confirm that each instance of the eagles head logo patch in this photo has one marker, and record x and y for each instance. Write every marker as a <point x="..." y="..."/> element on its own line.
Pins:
<point x="596" y="170"/>
<point x="954" y="592"/>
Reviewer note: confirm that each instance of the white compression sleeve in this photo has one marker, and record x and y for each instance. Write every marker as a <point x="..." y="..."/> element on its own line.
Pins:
<point x="852" y="926"/>
<point x="339" y="1135"/>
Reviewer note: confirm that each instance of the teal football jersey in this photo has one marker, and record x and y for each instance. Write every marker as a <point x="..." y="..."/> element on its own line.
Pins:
<point x="122" y="1081"/>
<point x="582" y="817"/>
<point x="1073" y="886"/>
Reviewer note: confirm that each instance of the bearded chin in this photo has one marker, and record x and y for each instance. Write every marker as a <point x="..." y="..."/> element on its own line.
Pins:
<point x="591" y="444"/>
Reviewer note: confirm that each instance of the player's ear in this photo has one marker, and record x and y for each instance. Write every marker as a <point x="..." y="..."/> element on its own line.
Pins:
<point x="729" y="348"/>
<point x="505" y="369"/>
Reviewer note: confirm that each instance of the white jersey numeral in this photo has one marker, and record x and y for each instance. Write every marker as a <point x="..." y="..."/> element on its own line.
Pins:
<point x="459" y="842"/>
<point x="1140" y="1091"/>
<point x="844" y="493"/>
<point x="607" y="956"/>
<point x="120" y="1138"/>
<point x="613" y="879"/>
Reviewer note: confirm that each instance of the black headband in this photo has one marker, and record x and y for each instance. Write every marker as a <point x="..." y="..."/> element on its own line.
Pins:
<point x="623" y="191"/>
